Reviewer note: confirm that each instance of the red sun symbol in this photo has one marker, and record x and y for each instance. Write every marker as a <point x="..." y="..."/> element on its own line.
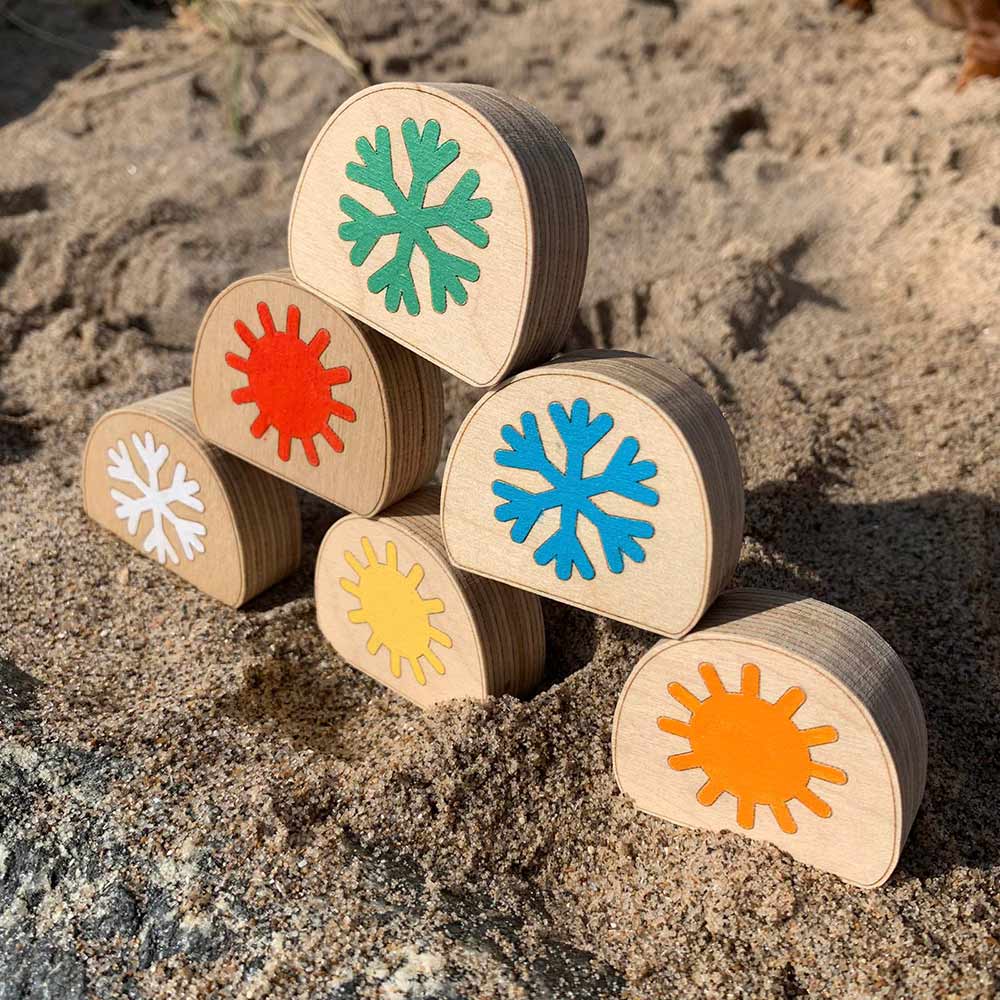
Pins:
<point x="289" y="384"/>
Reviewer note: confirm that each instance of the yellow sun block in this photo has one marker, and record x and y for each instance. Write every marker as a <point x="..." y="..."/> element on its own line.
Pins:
<point x="391" y="605"/>
<point x="751" y="748"/>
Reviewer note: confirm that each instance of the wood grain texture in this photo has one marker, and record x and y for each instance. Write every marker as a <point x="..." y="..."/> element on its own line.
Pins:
<point x="248" y="533"/>
<point x="391" y="604"/>
<point x="386" y="418"/>
<point x="831" y="750"/>
<point x="521" y="305"/>
<point x="691" y="505"/>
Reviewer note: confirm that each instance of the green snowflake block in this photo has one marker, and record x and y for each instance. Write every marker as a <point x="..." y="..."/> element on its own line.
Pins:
<point x="411" y="220"/>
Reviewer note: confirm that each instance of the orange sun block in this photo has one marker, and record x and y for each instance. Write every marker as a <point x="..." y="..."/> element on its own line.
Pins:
<point x="287" y="381"/>
<point x="751" y="748"/>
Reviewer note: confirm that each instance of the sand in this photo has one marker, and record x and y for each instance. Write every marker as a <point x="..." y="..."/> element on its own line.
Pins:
<point x="789" y="203"/>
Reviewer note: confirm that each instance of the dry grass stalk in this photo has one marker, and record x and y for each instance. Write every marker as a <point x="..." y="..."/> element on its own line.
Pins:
<point x="252" y="21"/>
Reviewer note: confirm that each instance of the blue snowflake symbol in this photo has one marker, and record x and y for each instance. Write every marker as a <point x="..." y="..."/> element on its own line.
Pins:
<point x="573" y="492"/>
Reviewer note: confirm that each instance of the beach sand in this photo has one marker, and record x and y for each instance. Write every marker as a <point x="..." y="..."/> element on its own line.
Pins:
<point x="787" y="202"/>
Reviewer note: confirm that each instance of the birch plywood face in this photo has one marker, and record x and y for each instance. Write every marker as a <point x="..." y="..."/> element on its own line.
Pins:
<point x="609" y="482"/>
<point x="449" y="217"/>
<point x="223" y="526"/>
<point x="288" y="383"/>
<point x="391" y="605"/>
<point x="815" y="746"/>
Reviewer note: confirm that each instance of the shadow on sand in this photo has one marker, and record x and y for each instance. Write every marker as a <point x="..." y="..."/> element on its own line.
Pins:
<point x="45" y="41"/>
<point x="924" y="572"/>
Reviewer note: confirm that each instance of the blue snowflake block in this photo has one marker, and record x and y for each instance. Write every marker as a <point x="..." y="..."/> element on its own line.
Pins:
<point x="573" y="492"/>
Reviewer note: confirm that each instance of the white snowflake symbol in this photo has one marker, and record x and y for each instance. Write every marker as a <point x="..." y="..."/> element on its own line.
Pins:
<point x="156" y="500"/>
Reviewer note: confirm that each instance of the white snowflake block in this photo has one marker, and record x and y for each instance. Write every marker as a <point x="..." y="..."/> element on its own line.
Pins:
<point x="605" y="480"/>
<point x="451" y="218"/>
<point x="222" y="525"/>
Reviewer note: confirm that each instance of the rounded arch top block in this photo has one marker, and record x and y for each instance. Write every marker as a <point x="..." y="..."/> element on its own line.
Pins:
<point x="450" y="217"/>
<point x="296" y="387"/>
<point x="786" y="720"/>
<point x="391" y="604"/>
<point x="603" y="479"/>
<point x="217" y="522"/>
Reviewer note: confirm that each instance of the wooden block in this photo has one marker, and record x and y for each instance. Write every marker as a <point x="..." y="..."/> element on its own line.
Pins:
<point x="390" y="603"/>
<point x="220" y="524"/>
<point x="606" y="480"/>
<point x="784" y="719"/>
<point x="451" y="217"/>
<point x="296" y="387"/>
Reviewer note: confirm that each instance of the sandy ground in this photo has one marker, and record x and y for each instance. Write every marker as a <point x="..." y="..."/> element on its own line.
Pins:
<point x="789" y="203"/>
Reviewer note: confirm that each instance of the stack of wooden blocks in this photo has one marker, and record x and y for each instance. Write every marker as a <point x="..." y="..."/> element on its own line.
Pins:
<point x="445" y="227"/>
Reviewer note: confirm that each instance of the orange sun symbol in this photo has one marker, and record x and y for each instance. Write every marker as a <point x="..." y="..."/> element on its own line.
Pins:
<point x="751" y="748"/>
<point x="289" y="384"/>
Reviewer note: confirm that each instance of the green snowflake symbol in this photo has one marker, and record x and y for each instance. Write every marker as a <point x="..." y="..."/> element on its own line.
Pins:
<point x="411" y="220"/>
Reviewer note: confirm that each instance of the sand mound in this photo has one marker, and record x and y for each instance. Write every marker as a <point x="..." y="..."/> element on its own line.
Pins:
<point x="788" y="203"/>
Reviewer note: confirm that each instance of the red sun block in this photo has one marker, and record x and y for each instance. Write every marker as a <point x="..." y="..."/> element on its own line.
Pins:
<point x="289" y="384"/>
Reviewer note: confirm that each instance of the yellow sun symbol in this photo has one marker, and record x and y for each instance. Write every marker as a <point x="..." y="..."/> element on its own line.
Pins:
<point x="392" y="606"/>
<point x="751" y="748"/>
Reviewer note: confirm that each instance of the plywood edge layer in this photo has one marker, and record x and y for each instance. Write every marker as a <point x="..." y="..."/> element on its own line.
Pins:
<point x="556" y="207"/>
<point x="413" y="398"/>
